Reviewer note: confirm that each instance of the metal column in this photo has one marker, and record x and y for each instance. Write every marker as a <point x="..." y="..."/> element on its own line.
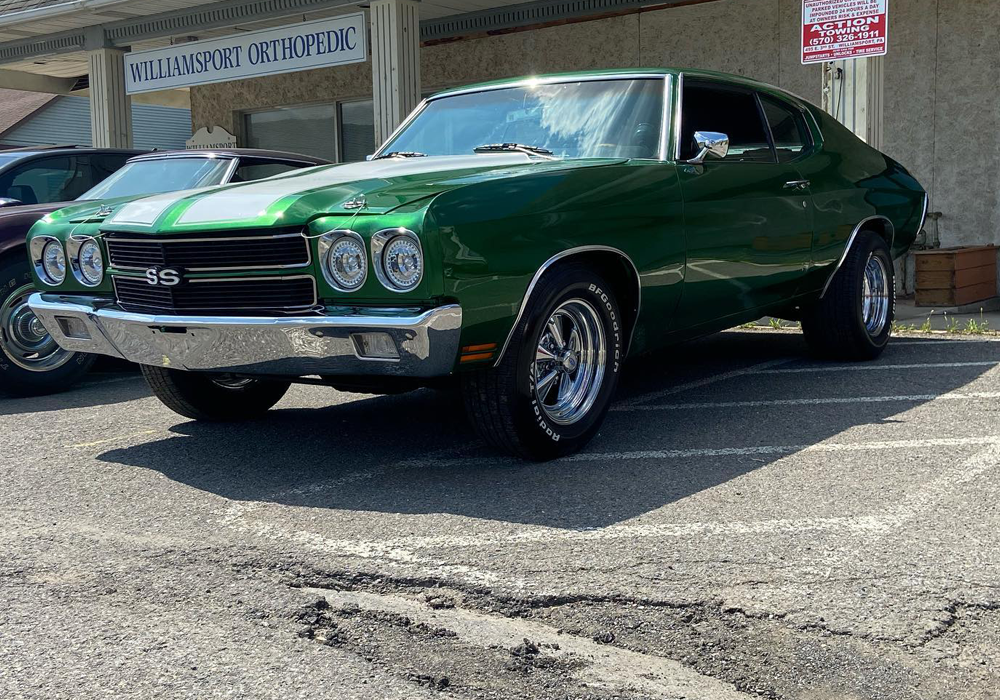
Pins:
<point x="110" y="107"/>
<point x="395" y="63"/>
<point x="852" y="92"/>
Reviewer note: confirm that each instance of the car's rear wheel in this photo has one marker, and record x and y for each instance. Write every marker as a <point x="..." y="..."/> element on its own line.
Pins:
<point x="853" y="321"/>
<point x="31" y="363"/>
<point x="551" y="391"/>
<point x="213" y="397"/>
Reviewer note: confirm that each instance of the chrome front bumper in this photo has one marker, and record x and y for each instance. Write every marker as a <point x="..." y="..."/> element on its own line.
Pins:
<point x="426" y="342"/>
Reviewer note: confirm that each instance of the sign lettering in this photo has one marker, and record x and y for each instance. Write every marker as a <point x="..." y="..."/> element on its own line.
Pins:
<point x="835" y="30"/>
<point x="327" y="42"/>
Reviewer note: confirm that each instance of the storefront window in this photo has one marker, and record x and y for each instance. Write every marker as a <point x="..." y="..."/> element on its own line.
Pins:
<point x="308" y="129"/>
<point x="357" y="130"/>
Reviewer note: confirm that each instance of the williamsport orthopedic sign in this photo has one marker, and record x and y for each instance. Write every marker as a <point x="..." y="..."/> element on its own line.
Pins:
<point x="834" y="30"/>
<point x="327" y="42"/>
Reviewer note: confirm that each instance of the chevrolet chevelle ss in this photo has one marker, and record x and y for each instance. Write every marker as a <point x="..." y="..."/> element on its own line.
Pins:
<point x="520" y="239"/>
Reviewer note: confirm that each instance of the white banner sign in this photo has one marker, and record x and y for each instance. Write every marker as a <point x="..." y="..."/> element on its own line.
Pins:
<point x="326" y="42"/>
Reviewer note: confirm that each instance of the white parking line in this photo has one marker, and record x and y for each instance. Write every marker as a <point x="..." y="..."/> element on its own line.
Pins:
<point x="697" y="452"/>
<point x="871" y="366"/>
<point x="953" y="396"/>
<point x="669" y="391"/>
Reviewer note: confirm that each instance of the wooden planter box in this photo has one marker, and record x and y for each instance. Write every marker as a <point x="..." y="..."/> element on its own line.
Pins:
<point x="956" y="276"/>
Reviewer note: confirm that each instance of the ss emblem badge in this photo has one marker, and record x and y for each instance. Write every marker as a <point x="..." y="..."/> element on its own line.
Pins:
<point x="164" y="276"/>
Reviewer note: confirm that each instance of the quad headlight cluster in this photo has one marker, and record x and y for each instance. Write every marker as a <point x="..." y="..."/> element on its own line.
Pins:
<point x="397" y="258"/>
<point x="82" y="256"/>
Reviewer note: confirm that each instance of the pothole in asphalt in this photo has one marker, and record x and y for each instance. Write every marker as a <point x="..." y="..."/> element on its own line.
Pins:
<point x="485" y="645"/>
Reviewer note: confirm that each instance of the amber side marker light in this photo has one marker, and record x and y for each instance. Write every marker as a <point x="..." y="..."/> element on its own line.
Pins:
<point x="475" y="353"/>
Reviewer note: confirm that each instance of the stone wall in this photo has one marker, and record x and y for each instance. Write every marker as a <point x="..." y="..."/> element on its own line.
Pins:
<point x="941" y="116"/>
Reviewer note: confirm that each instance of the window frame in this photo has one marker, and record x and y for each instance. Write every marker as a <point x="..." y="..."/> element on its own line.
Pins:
<point x="793" y="101"/>
<point x="722" y="86"/>
<point x="667" y="118"/>
<point x="244" y="131"/>
<point x="798" y="112"/>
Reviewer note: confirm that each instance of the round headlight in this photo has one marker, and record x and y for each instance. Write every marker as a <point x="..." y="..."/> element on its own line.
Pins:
<point x="402" y="262"/>
<point x="54" y="262"/>
<point x="91" y="262"/>
<point x="347" y="264"/>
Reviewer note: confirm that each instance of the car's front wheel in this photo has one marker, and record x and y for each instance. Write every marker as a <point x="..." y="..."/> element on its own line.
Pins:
<point x="853" y="320"/>
<point x="551" y="391"/>
<point x="31" y="363"/>
<point x="213" y="397"/>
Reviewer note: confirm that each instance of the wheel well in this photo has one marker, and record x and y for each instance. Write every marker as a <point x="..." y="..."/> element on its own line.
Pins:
<point x="620" y="273"/>
<point x="881" y="226"/>
<point x="13" y="254"/>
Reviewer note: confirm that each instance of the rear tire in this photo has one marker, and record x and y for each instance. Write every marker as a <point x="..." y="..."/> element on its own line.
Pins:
<point x="31" y="364"/>
<point x="551" y="391"/>
<point x="213" y="397"/>
<point x="853" y="321"/>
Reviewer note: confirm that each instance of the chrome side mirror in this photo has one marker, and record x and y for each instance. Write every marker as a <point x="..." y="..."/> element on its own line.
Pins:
<point x="710" y="143"/>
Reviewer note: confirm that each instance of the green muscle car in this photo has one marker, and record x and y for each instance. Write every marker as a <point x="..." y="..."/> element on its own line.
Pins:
<point x="519" y="238"/>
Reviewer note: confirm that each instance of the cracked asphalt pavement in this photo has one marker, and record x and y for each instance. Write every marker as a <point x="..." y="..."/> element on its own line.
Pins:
<point x="750" y="522"/>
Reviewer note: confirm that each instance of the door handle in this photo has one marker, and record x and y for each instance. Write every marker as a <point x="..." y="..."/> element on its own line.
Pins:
<point x="797" y="185"/>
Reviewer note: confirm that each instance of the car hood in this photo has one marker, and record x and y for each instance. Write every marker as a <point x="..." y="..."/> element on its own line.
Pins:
<point x="371" y="187"/>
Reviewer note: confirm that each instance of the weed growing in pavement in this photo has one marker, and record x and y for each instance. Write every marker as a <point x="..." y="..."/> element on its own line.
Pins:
<point x="775" y="323"/>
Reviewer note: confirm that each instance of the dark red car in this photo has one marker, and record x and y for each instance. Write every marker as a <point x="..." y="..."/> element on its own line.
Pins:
<point x="30" y="361"/>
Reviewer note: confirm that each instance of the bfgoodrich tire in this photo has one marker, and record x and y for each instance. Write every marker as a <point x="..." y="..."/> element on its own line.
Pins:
<point x="853" y="321"/>
<point x="30" y="361"/>
<point x="552" y="389"/>
<point x="213" y="397"/>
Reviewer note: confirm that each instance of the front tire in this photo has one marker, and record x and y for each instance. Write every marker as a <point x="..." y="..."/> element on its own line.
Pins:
<point x="213" y="397"/>
<point x="551" y="391"/>
<point x="853" y="321"/>
<point x="31" y="363"/>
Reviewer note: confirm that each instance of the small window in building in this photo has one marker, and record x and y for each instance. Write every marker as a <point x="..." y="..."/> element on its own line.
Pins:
<point x="787" y="127"/>
<point x="308" y="129"/>
<point x="730" y="110"/>
<point x="357" y="130"/>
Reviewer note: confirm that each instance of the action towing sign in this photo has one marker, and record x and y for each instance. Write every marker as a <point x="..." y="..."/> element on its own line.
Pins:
<point x="835" y="30"/>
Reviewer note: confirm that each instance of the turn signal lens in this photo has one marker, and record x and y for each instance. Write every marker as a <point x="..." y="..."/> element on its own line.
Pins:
<point x="375" y="346"/>
<point x="54" y="262"/>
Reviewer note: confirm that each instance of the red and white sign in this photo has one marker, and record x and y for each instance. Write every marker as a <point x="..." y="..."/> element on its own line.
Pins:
<point x="834" y="30"/>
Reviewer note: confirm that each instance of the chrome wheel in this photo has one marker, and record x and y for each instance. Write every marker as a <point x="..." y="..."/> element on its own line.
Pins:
<point x="875" y="296"/>
<point x="570" y="359"/>
<point x="228" y="381"/>
<point x="23" y="338"/>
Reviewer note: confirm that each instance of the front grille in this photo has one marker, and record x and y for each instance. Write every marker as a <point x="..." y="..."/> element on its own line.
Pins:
<point x="243" y="250"/>
<point x="249" y="295"/>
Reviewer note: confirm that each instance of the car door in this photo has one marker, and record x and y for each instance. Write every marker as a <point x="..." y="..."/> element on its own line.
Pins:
<point x="747" y="217"/>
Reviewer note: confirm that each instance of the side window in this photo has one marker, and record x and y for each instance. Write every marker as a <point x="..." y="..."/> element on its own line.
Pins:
<point x="788" y="128"/>
<point x="43" y="180"/>
<point x="730" y="110"/>
<point x="256" y="169"/>
<point x="104" y="165"/>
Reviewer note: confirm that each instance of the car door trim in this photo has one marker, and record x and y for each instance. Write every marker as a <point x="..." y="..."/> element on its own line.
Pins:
<point x="850" y="242"/>
<point x="562" y="256"/>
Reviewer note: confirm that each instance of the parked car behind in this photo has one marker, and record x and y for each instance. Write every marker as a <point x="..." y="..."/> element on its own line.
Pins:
<point x="30" y="361"/>
<point x="523" y="237"/>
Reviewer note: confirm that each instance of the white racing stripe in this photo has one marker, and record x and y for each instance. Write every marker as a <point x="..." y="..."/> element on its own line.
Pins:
<point x="955" y="396"/>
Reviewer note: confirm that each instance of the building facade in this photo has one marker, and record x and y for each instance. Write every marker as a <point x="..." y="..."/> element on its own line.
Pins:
<point x="937" y="112"/>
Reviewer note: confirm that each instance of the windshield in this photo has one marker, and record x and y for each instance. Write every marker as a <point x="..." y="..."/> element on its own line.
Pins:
<point x="589" y="119"/>
<point x="160" y="175"/>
